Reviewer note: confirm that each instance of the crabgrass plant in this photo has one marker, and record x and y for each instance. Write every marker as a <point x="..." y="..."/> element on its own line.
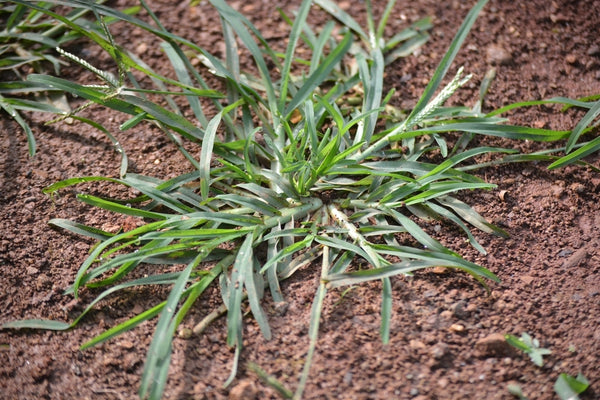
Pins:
<point x="304" y="164"/>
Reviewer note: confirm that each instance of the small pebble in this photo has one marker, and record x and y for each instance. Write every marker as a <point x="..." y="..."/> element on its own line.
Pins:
<point x="492" y="345"/>
<point x="459" y="310"/>
<point x="184" y="333"/>
<point x="571" y="59"/>
<point x="497" y="55"/>
<point x="594" y="50"/>
<point x="439" y="351"/>
<point x="245" y="390"/>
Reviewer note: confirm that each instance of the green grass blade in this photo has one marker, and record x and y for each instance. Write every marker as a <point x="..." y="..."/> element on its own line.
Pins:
<point x="119" y="208"/>
<point x="443" y="188"/>
<point x="182" y="75"/>
<point x="342" y="16"/>
<point x="505" y="131"/>
<point x="17" y="117"/>
<point x="588" y="148"/>
<point x="234" y="302"/>
<point x="386" y="310"/>
<point x="372" y="80"/>
<point x="407" y="48"/>
<point x="287" y="251"/>
<point x="159" y="354"/>
<point x="415" y="231"/>
<point x="582" y="124"/>
<point x="315" y="318"/>
<point x="206" y="155"/>
<point x="458" y="158"/>
<point x="445" y="213"/>
<point x="319" y="46"/>
<point x="239" y="23"/>
<point x="319" y="75"/>
<point x="37" y="324"/>
<point x="448" y="58"/>
<point x="468" y="214"/>
<point x="367" y="275"/>
<point x="293" y="37"/>
<point x="115" y="142"/>
<point x="384" y="19"/>
<point x="416" y="30"/>
<point x="80" y="229"/>
<point x="75" y="181"/>
<point x="341" y="244"/>
<point x="254" y="285"/>
<point x="234" y="297"/>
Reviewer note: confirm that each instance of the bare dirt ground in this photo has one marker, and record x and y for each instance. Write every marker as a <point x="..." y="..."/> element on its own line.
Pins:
<point x="444" y="324"/>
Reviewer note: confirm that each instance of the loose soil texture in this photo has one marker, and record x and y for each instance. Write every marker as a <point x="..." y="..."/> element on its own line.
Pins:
<point x="444" y="335"/>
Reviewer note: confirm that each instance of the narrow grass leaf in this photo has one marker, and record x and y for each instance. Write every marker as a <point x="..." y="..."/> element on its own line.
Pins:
<point x="342" y="16"/>
<point x="159" y="353"/>
<point x="319" y="75"/>
<point x="468" y="214"/>
<point x="445" y="213"/>
<point x="415" y="231"/>
<point x="293" y="37"/>
<point x="505" y="131"/>
<point x="115" y="142"/>
<point x="447" y="60"/>
<point x="313" y="334"/>
<point x="80" y="229"/>
<point x="342" y="244"/>
<point x="386" y="310"/>
<point x="287" y="251"/>
<point x="443" y="188"/>
<point x="119" y="208"/>
<point x="239" y="23"/>
<point x="206" y="155"/>
<point x="75" y="181"/>
<point x="254" y="285"/>
<point x="407" y="48"/>
<point x="367" y="275"/>
<point x="458" y="158"/>
<point x="253" y="203"/>
<point x="318" y="50"/>
<point x="37" y="324"/>
<point x="175" y="57"/>
<point x="582" y="124"/>
<point x="19" y="119"/>
<point x="588" y="148"/>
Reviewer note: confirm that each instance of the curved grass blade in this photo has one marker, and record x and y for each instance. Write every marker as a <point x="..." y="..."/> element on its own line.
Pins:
<point x="234" y="300"/>
<point x="315" y="317"/>
<point x="386" y="310"/>
<point x="19" y="119"/>
<point x="37" y="324"/>
<point x="342" y="16"/>
<point x="505" y="131"/>
<point x="154" y="377"/>
<point x="582" y="124"/>
<point x="293" y="37"/>
<point x="239" y="23"/>
<point x="587" y="149"/>
<point x="319" y="75"/>
<point x="447" y="60"/>
<point x="80" y="229"/>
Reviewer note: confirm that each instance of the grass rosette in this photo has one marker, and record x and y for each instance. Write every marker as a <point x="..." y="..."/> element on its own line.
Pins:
<point x="304" y="172"/>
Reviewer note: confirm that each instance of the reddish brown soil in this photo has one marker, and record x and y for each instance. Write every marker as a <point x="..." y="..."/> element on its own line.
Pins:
<point x="550" y="266"/>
